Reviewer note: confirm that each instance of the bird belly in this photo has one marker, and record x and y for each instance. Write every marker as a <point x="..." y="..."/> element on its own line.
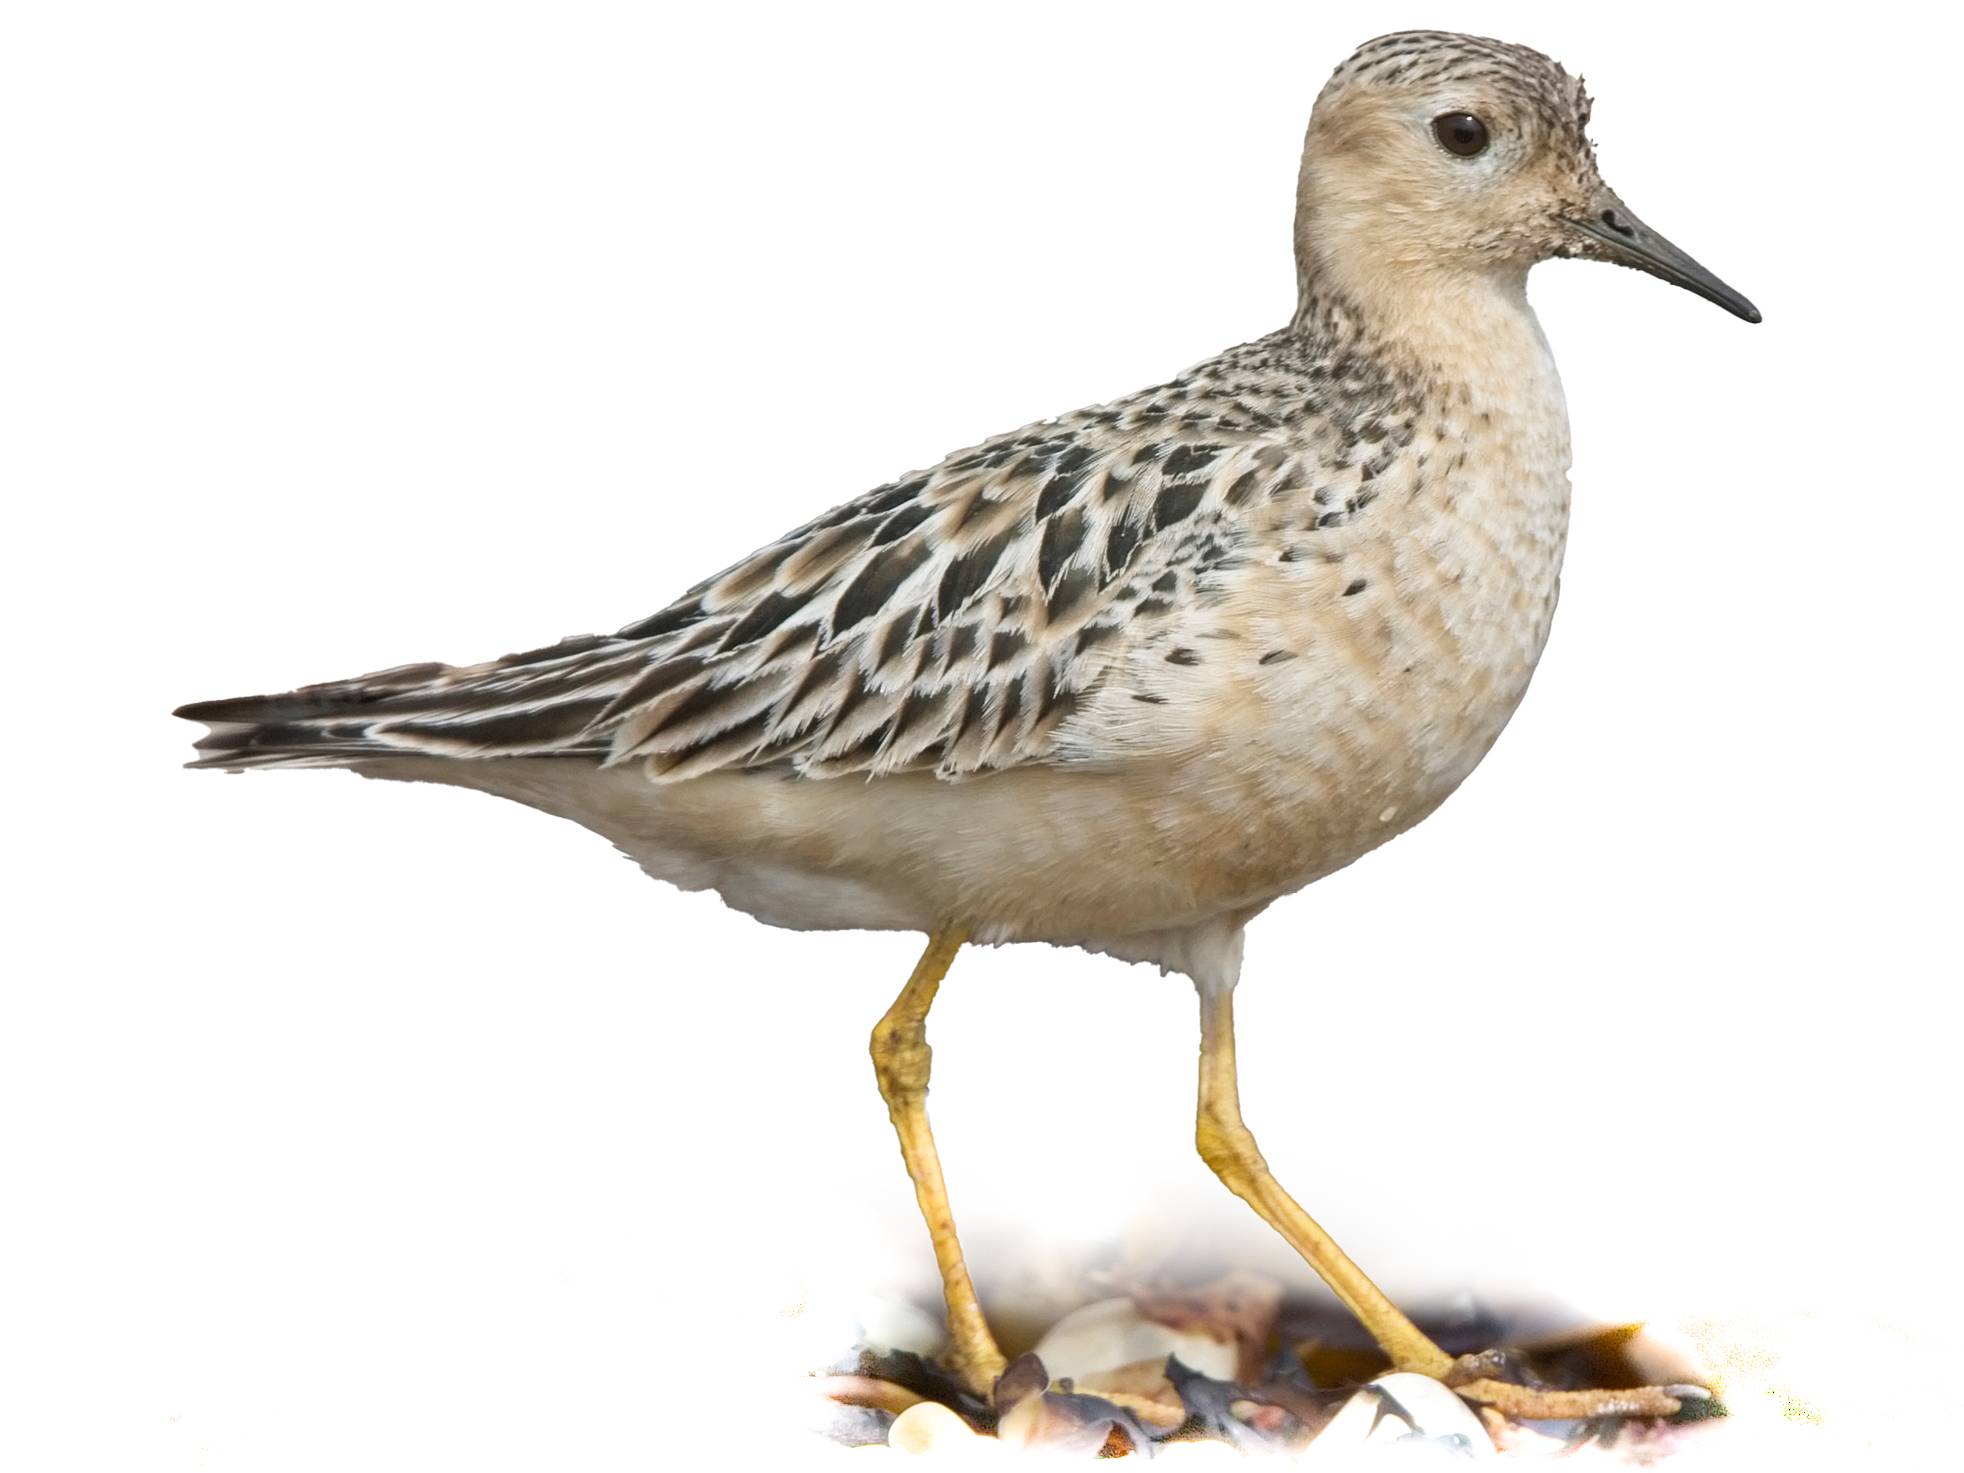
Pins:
<point x="1147" y="861"/>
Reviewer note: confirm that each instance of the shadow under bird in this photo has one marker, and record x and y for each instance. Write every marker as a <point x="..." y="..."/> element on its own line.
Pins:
<point x="1122" y="678"/>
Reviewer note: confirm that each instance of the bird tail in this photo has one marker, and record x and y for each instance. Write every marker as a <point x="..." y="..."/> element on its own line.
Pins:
<point x="326" y="725"/>
<point x="540" y="703"/>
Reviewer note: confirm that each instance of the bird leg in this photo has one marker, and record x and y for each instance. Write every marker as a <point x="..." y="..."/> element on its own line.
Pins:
<point x="901" y="1058"/>
<point x="1227" y="1145"/>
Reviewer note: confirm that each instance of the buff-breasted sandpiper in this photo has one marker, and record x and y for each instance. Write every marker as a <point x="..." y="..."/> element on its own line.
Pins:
<point x="1122" y="678"/>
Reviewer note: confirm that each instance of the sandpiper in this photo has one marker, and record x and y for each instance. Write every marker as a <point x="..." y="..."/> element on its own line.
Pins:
<point x="1122" y="678"/>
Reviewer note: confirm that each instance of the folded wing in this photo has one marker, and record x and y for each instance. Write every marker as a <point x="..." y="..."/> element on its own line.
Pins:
<point x="959" y="621"/>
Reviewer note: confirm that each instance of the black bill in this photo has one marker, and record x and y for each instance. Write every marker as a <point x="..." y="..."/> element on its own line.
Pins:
<point x="1630" y="242"/>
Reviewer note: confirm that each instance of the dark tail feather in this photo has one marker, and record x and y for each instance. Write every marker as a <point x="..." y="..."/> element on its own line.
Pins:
<point x="316" y="725"/>
<point x="315" y="700"/>
<point x="434" y="710"/>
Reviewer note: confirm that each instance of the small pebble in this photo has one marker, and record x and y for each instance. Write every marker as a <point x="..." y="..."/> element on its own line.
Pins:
<point x="929" y="1427"/>
<point x="1110" y="1334"/>
<point x="1405" y="1416"/>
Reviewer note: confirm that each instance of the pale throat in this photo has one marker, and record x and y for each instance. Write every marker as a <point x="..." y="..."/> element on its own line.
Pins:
<point x="1466" y="329"/>
<point x="1465" y="337"/>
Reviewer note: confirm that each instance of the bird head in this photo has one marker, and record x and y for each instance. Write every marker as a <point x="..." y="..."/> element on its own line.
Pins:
<point x="1456" y="158"/>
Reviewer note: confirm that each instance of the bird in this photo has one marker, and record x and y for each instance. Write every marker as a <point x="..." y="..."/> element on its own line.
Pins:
<point x="1120" y="679"/>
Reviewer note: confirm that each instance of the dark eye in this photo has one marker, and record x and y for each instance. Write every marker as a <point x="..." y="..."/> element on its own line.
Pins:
<point x="1460" y="133"/>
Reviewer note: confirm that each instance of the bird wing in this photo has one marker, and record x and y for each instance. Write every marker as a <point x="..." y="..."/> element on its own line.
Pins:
<point x="957" y="620"/>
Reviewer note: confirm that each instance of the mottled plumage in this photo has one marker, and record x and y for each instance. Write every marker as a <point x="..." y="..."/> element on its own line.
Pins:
<point x="960" y="619"/>
<point x="1233" y="630"/>
<point x="1120" y="678"/>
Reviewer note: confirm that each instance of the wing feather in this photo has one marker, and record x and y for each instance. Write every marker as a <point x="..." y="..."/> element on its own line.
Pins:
<point x="959" y="620"/>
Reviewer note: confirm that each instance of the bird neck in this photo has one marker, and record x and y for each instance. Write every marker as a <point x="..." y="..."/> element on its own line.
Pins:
<point x="1470" y="331"/>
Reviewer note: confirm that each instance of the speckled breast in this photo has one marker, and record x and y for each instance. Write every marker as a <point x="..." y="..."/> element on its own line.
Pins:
<point x="1369" y="681"/>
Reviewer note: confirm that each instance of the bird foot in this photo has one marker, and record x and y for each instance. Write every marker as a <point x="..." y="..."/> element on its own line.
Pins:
<point x="1477" y="1378"/>
<point x="979" y="1368"/>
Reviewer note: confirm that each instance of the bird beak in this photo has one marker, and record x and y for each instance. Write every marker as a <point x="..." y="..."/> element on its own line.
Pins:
<point x="1627" y="241"/>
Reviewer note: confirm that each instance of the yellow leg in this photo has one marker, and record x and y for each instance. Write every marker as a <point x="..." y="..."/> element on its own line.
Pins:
<point x="1227" y="1145"/>
<point x="901" y="1058"/>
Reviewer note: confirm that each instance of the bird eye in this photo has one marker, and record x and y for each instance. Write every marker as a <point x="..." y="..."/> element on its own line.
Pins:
<point x="1460" y="133"/>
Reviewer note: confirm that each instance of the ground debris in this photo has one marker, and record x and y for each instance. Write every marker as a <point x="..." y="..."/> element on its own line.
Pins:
<point x="1278" y="1375"/>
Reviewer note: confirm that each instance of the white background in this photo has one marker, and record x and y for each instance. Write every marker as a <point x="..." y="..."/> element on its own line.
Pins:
<point x="355" y="1125"/>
